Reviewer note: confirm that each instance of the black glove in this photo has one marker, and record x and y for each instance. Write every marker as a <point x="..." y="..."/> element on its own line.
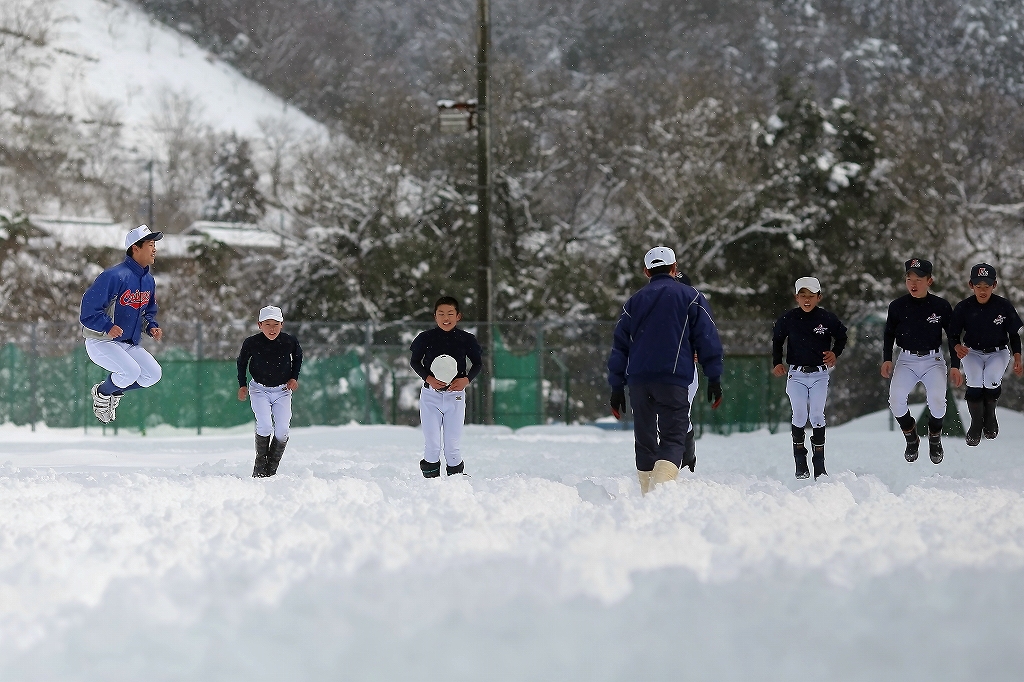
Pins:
<point x="714" y="394"/>
<point x="618" y="402"/>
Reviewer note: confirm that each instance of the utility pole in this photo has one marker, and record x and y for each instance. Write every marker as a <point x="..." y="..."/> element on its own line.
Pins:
<point x="149" y="167"/>
<point x="485" y="302"/>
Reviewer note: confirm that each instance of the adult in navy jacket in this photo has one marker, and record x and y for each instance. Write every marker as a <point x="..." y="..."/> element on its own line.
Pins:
<point x="118" y="307"/>
<point x="661" y="327"/>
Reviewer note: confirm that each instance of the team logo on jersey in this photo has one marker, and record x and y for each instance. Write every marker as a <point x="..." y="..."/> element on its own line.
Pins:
<point x="999" y="319"/>
<point x="135" y="299"/>
<point x="820" y="329"/>
<point x="934" y="318"/>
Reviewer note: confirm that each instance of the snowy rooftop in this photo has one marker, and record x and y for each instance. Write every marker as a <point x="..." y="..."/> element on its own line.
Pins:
<point x="239" y="235"/>
<point x="98" y="233"/>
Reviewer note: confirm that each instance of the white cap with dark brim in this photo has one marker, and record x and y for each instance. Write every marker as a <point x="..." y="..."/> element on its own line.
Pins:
<point x="141" y="233"/>
<point x="810" y="283"/>
<point x="271" y="312"/>
<point x="658" y="256"/>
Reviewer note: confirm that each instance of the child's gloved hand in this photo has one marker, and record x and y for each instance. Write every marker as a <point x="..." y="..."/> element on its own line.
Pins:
<point x="714" y="394"/>
<point x="618" y="402"/>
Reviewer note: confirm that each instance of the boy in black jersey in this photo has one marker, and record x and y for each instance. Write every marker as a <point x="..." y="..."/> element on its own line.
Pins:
<point x="273" y="358"/>
<point x="916" y="322"/>
<point x="816" y="338"/>
<point x="444" y="350"/>
<point x="989" y="324"/>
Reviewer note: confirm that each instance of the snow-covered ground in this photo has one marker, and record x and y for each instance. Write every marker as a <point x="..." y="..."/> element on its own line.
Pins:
<point x="159" y="558"/>
<point x="110" y="50"/>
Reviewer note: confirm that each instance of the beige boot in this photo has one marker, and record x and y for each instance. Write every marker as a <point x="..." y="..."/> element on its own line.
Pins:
<point x="645" y="480"/>
<point x="664" y="471"/>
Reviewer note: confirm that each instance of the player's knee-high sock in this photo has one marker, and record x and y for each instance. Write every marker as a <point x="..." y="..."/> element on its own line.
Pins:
<point x="800" y="452"/>
<point x="818" y="455"/>
<point x="935" y="439"/>
<point x="976" y="406"/>
<point x="108" y="387"/>
<point x="990" y="427"/>
<point x="909" y="427"/>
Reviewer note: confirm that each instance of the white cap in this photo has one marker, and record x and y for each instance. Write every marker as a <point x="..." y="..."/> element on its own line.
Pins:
<point x="444" y="368"/>
<point x="271" y="312"/>
<point x="139" y="233"/>
<point x="810" y="283"/>
<point x="658" y="256"/>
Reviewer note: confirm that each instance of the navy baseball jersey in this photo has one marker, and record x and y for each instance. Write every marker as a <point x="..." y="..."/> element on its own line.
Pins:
<point x="916" y="324"/>
<point x="993" y="324"/>
<point x="809" y="336"/>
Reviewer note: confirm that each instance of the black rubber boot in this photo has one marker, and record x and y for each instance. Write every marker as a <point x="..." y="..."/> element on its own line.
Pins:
<point x="977" y="409"/>
<point x="800" y="453"/>
<point x="430" y="469"/>
<point x="690" y="456"/>
<point x="935" y="439"/>
<point x="909" y="426"/>
<point x="274" y="455"/>
<point x="990" y="427"/>
<point x="259" y="470"/>
<point x="818" y="452"/>
<point x="451" y="471"/>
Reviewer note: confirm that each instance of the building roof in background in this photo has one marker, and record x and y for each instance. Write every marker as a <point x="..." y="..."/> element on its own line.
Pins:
<point x="99" y="233"/>
<point x="238" y="235"/>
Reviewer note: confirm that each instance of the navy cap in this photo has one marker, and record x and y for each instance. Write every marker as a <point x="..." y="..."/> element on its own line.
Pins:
<point x="919" y="266"/>
<point x="983" y="273"/>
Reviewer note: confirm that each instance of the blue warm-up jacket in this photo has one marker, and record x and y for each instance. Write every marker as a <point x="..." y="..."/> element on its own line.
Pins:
<point x="124" y="295"/>
<point x="660" y="328"/>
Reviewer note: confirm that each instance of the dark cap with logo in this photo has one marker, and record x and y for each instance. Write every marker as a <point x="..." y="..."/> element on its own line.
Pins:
<point x="983" y="273"/>
<point x="919" y="266"/>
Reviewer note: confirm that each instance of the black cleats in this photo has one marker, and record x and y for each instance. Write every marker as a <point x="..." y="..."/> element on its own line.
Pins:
<point x="430" y="469"/>
<point x="818" y="460"/>
<point x="451" y="471"/>
<point x="935" y="447"/>
<point x="990" y="427"/>
<point x="800" y="456"/>
<point x="977" y="410"/>
<point x="909" y="426"/>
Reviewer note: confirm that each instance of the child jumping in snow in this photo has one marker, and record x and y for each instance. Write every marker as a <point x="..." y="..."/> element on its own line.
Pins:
<point x="439" y="357"/>
<point x="273" y="358"/>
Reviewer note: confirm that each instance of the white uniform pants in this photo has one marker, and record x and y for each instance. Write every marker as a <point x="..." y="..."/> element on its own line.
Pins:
<point x="691" y="391"/>
<point x="126" y="363"/>
<point x="272" y="406"/>
<point x="442" y="414"/>
<point x="985" y="370"/>
<point x="807" y="393"/>
<point x="909" y="371"/>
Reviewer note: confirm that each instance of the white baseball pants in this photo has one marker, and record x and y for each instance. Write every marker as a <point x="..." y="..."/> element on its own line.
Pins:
<point x="985" y="370"/>
<point x="442" y="414"/>
<point x="272" y="406"/>
<point x="909" y="371"/>
<point x="807" y="393"/>
<point x="691" y="391"/>
<point x="126" y="363"/>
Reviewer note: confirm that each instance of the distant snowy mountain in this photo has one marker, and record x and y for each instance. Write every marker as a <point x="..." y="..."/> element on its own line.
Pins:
<point x="111" y="51"/>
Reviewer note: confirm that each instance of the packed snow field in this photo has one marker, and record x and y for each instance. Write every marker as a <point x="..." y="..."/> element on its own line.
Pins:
<point x="159" y="558"/>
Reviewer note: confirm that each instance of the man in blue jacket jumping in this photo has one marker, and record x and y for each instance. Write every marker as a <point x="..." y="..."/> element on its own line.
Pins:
<point x="118" y="307"/>
<point x="661" y="327"/>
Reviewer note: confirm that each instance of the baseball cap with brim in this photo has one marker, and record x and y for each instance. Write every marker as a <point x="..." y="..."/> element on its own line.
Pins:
<point x="983" y="273"/>
<point x="658" y="256"/>
<point x="810" y="283"/>
<point x="140" y="234"/>
<point x="919" y="266"/>
<point x="271" y="312"/>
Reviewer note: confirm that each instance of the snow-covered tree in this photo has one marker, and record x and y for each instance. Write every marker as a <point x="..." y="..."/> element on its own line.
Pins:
<point x="233" y="195"/>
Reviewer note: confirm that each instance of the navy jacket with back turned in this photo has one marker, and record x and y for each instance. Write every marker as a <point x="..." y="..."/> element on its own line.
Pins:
<point x="660" y="329"/>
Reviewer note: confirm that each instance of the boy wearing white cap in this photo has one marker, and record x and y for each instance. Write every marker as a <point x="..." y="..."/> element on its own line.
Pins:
<point x="814" y="338"/>
<point x="273" y="358"/>
<point x="116" y="309"/>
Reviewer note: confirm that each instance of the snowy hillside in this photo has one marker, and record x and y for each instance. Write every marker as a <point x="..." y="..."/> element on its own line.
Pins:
<point x="108" y="50"/>
<point x="159" y="558"/>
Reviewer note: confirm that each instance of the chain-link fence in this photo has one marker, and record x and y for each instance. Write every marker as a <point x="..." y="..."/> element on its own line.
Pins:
<point x="359" y="372"/>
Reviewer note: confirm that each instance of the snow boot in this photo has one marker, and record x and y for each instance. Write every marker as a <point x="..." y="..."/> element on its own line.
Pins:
<point x="664" y="471"/>
<point x="909" y="426"/>
<point x="990" y="427"/>
<point x="457" y="469"/>
<point x="935" y="439"/>
<point x="274" y="455"/>
<point x="430" y="469"/>
<point x="818" y="455"/>
<point x="645" y="480"/>
<point x="259" y="469"/>
<point x="977" y="409"/>
<point x="800" y="453"/>
<point x="690" y="456"/>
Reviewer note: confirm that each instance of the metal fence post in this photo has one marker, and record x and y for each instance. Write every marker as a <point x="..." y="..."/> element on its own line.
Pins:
<point x="33" y="406"/>
<point x="541" y="416"/>
<point x="367" y="345"/>
<point x="199" y="378"/>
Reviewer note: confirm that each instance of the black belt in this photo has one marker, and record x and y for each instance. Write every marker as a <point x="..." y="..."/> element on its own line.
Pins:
<point x="922" y="353"/>
<point x="989" y="350"/>
<point x="810" y="369"/>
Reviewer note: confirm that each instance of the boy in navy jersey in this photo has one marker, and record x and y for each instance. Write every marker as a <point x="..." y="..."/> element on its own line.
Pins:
<point x="989" y="324"/>
<point x="814" y="338"/>
<point x="443" y="400"/>
<point x="916" y="322"/>
<point x="273" y="358"/>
